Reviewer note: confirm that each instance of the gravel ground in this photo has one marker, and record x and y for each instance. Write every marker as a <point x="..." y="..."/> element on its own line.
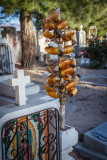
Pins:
<point x="88" y="108"/>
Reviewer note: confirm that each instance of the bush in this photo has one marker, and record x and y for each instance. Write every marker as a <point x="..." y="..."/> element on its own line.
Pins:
<point x="97" y="52"/>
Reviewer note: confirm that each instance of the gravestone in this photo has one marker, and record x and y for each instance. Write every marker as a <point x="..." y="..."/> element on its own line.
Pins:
<point x="40" y="45"/>
<point x="92" y="32"/>
<point x="14" y="38"/>
<point x="95" y="143"/>
<point x="10" y="113"/>
<point x="81" y="41"/>
<point x="6" y="57"/>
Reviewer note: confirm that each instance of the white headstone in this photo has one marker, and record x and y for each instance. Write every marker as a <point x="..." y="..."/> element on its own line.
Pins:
<point x="19" y="82"/>
<point x="82" y="36"/>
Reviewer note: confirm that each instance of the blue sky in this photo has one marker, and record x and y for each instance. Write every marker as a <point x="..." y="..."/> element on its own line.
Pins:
<point x="9" y="19"/>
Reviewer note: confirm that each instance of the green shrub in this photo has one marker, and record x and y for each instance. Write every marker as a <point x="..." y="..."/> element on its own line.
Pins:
<point x="97" y="52"/>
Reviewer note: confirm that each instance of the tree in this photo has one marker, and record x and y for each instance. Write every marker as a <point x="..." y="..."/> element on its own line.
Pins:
<point x="85" y="12"/>
<point x="26" y="8"/>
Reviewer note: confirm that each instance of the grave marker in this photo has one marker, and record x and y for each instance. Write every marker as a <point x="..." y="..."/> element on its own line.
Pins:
<point x="81" y="40"/>
<point x="1" y="29"/>
<point x="95" y="143"/>
<point x="92" y="32"/>
<point x="19" y="82"/>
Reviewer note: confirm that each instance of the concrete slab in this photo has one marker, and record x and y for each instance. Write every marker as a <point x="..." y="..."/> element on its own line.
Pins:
<point x="86" y="152"/>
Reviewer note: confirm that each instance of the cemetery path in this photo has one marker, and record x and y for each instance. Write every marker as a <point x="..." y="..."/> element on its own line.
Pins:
<point x="88" y="108"/>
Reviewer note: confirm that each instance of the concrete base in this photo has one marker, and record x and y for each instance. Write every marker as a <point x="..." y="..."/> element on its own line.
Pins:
<point x="8" y="91"/>
<point x="12" y="111"/>
<point x="67" y="157"/>
<point x="85" y="62"/>
<point x="95" y="143"/>
<point x="69" y="138"/>
<point x="86" y="152"/>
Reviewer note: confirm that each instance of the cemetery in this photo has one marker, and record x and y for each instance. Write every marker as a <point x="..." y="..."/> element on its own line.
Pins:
<point x="53" y="90"/>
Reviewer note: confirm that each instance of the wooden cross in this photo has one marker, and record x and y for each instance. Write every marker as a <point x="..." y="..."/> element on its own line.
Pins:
<point x="19" y="82"/>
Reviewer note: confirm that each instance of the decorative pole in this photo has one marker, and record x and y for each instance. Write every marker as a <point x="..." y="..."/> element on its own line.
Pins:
<point x="62" y="79"/>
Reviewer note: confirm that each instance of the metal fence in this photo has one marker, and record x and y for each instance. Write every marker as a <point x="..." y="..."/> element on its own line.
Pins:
<point x="6" y="63"/>
<point x="32" y="137"/>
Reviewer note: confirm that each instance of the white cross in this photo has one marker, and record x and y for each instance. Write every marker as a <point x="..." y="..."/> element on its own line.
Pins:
<point x="19" y="82"/>
<point x="81" y="27"/>
<point x="1" y="29"/>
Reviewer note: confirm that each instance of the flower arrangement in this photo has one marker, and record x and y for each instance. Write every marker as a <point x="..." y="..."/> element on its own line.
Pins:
<point x="96" y="51"/>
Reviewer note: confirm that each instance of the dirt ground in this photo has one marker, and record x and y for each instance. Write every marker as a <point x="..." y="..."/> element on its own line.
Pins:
<point x="90" y="103"/>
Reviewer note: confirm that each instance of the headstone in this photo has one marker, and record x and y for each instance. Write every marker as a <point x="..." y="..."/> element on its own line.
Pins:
<point x="92" y="32"/>
<point x="96" y="139"/>
<point x="82" y="38"/>
<point x="7" y="65"/>
<point x="1" y="29"/>
<point x="14" y="39"/>
<point x="81" y="41"/>
<point x="40" y="45"/>
<point x="19" y="83"/>
<point x="95" y="143"/>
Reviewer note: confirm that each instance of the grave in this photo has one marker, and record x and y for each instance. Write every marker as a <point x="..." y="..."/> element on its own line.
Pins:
<point x="85" y="62"/>
<point x="14" y="39"/>
<point x="95" y="143"/>
<point x="40" y="45"/>
<point x="81" y="41"/>
<point x="11" y="114"/>
<point x="39" y="111"/>
<point x="36" y="103"/>
<point x="6" y="56"/>
<point x="7" y="68"/>
<point x="92" y="32"/>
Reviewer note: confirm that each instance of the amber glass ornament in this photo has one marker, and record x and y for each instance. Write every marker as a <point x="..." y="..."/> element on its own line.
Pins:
<point x="64" y="63"/>
<point x="72" y="92"/>
<point x="62" y="78"/>
<point x="48" y="34"/>
<point x="53" y="93"/>
<point x="54" y="15"/>
<point x="68" y="49"/>
<point x="70" y="85"/>
<point x="52" y="50"/>
<point x="67" y="70"/>
<point x="61" y="25"/>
